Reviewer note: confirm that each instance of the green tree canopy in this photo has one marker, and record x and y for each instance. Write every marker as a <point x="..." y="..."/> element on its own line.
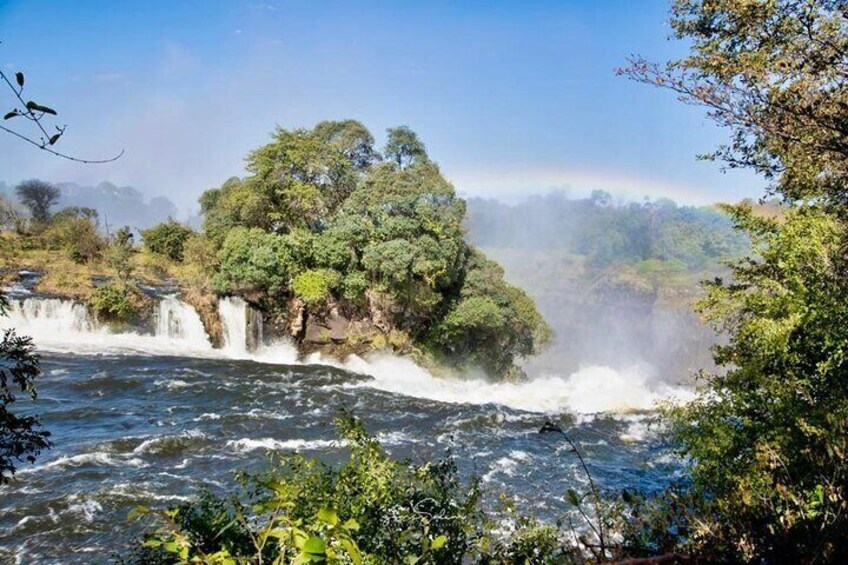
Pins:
<point x="38" y="196"/>
<point x="766" y="437"/>
<point x="323" y="217"/>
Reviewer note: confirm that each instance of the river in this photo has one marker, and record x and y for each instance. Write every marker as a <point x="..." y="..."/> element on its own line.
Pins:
<point x="154" y="419"/>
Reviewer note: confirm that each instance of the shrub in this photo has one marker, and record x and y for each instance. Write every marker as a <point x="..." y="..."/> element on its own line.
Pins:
<point x="168" y="238"/>
<point x="75" y="231"/>
<point x="112" y="302"/>
<point x="315" y="286"/>
<point x="253" y="259"/>
<point x="354" y="285"/>
<point x="371" y="510"/>
<point x="200" y="251"/>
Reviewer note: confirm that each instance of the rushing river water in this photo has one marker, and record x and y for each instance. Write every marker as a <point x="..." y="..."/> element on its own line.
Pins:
<point x="154" y="419"/>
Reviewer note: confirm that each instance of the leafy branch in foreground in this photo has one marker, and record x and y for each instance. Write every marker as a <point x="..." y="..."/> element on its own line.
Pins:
<point x="371" y="509"/>
<point x="45" y="137"/>
<point x="21" y="437"/>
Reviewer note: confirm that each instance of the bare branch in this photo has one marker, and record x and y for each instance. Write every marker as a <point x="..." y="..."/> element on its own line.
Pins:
<point x="35" y="113"/>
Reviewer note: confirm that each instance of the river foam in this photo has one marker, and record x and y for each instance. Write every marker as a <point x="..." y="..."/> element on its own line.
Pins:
<point x="590" y="390"/>
<point x="65" y="326"/>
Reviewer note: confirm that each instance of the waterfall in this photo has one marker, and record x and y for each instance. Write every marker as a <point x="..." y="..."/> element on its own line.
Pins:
<point x="51" y="318"/>
<point x="242" y="326"/>
<point x="177" y="321"/>
<point x="64" y="325"/>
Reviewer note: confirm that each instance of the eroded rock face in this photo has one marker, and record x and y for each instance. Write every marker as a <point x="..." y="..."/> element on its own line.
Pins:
<point x="381" y="309"/>
<point x="337" y="329"/>
<point x="296" y="318"/>
<point x="329" y="327"/>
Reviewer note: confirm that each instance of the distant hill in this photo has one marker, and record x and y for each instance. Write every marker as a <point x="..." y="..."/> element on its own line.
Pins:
<point x="117" y="205"/>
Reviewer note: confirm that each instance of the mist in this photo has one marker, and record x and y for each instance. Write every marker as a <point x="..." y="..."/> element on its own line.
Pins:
<point x="616" y="280"/>
<point x="116" y="206"/>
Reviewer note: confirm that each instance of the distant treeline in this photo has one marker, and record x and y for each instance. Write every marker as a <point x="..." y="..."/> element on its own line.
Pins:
<point x="608" y="232"/>
<point x="116" y="205"/>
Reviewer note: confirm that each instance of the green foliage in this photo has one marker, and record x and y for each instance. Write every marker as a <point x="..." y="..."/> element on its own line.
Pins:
<point x="119" y="255"/>
<point x="75" y="230"/>
<point x="236" y="203"/>
<point x="253" y="259"/>
<point x="168" y="238"/>
<point x="321" y="217"/>
<point x="774" y="74"/>
<point x="371" y="509"/>
<point x="198" y="250"/>
<point x="22" y="438"/>
<point x="354" y="286"/>
<point x="491" y="322"/>
<point x="112" y="302"/>
<point x="314" y="286"/>
<point x="767" y="436"/>
<point x="38" y="196"/>
<point x="403" y="147"/>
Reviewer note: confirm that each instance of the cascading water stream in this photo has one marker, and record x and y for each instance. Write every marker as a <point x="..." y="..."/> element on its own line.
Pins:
<point x="67" y="326"/>
<point x="55" y="318"/>
<point x="64" y="325"/>
<point x="176" y="320"/>
<point x="242" y="327"/>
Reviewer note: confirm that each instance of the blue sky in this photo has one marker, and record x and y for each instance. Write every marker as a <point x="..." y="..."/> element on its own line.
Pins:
<point x="511" y="98"/>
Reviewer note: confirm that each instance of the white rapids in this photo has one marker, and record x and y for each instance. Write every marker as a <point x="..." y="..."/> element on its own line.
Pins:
<point x="66" y="326"/>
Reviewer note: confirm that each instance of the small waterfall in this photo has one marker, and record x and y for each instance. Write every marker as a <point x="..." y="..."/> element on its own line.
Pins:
<point x="57" y="324"/>
<point x="176" y="320"/>
<point x="242" y="326"/>
<point x="49" y="317"/>
<point x="62" y="325"/>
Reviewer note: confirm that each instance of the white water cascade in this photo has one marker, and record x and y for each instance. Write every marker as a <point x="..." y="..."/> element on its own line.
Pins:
<point x="242" y="327"/>
<point x="176" y="320"/>
<point x="64" y="325"/>
<point x="49" y="317"/>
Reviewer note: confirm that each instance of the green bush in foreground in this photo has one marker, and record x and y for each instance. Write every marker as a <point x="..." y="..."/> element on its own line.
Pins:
<point x="370" y="510"/>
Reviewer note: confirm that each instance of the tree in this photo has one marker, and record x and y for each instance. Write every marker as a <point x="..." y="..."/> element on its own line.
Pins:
<point x="766" y="437"/>
<point x="75" y="230"/>
<point x="119" y="255"/>
<point x="167" y="238"/>
<point x="21" y="437"/>
<point x="403" y="147"/>
<point x="774" y="73"/>
<point x="321" y="218"/>
<point x="39" y="197"/>
<point x="352" y="138"/>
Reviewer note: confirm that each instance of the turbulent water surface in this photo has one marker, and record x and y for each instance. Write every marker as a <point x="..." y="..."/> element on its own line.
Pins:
<point x="154" y="419"/>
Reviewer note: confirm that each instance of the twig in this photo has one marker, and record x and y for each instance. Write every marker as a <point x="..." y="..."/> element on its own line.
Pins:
<point x="34" y="113"/>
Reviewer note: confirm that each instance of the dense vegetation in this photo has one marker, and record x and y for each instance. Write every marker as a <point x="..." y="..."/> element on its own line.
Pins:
<point x="766" y="437"/>
<point x="607" y="233"/>
<point x="22" y="437"/>
<point x="369" y="510"/>
<point x="324" y="218"/>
